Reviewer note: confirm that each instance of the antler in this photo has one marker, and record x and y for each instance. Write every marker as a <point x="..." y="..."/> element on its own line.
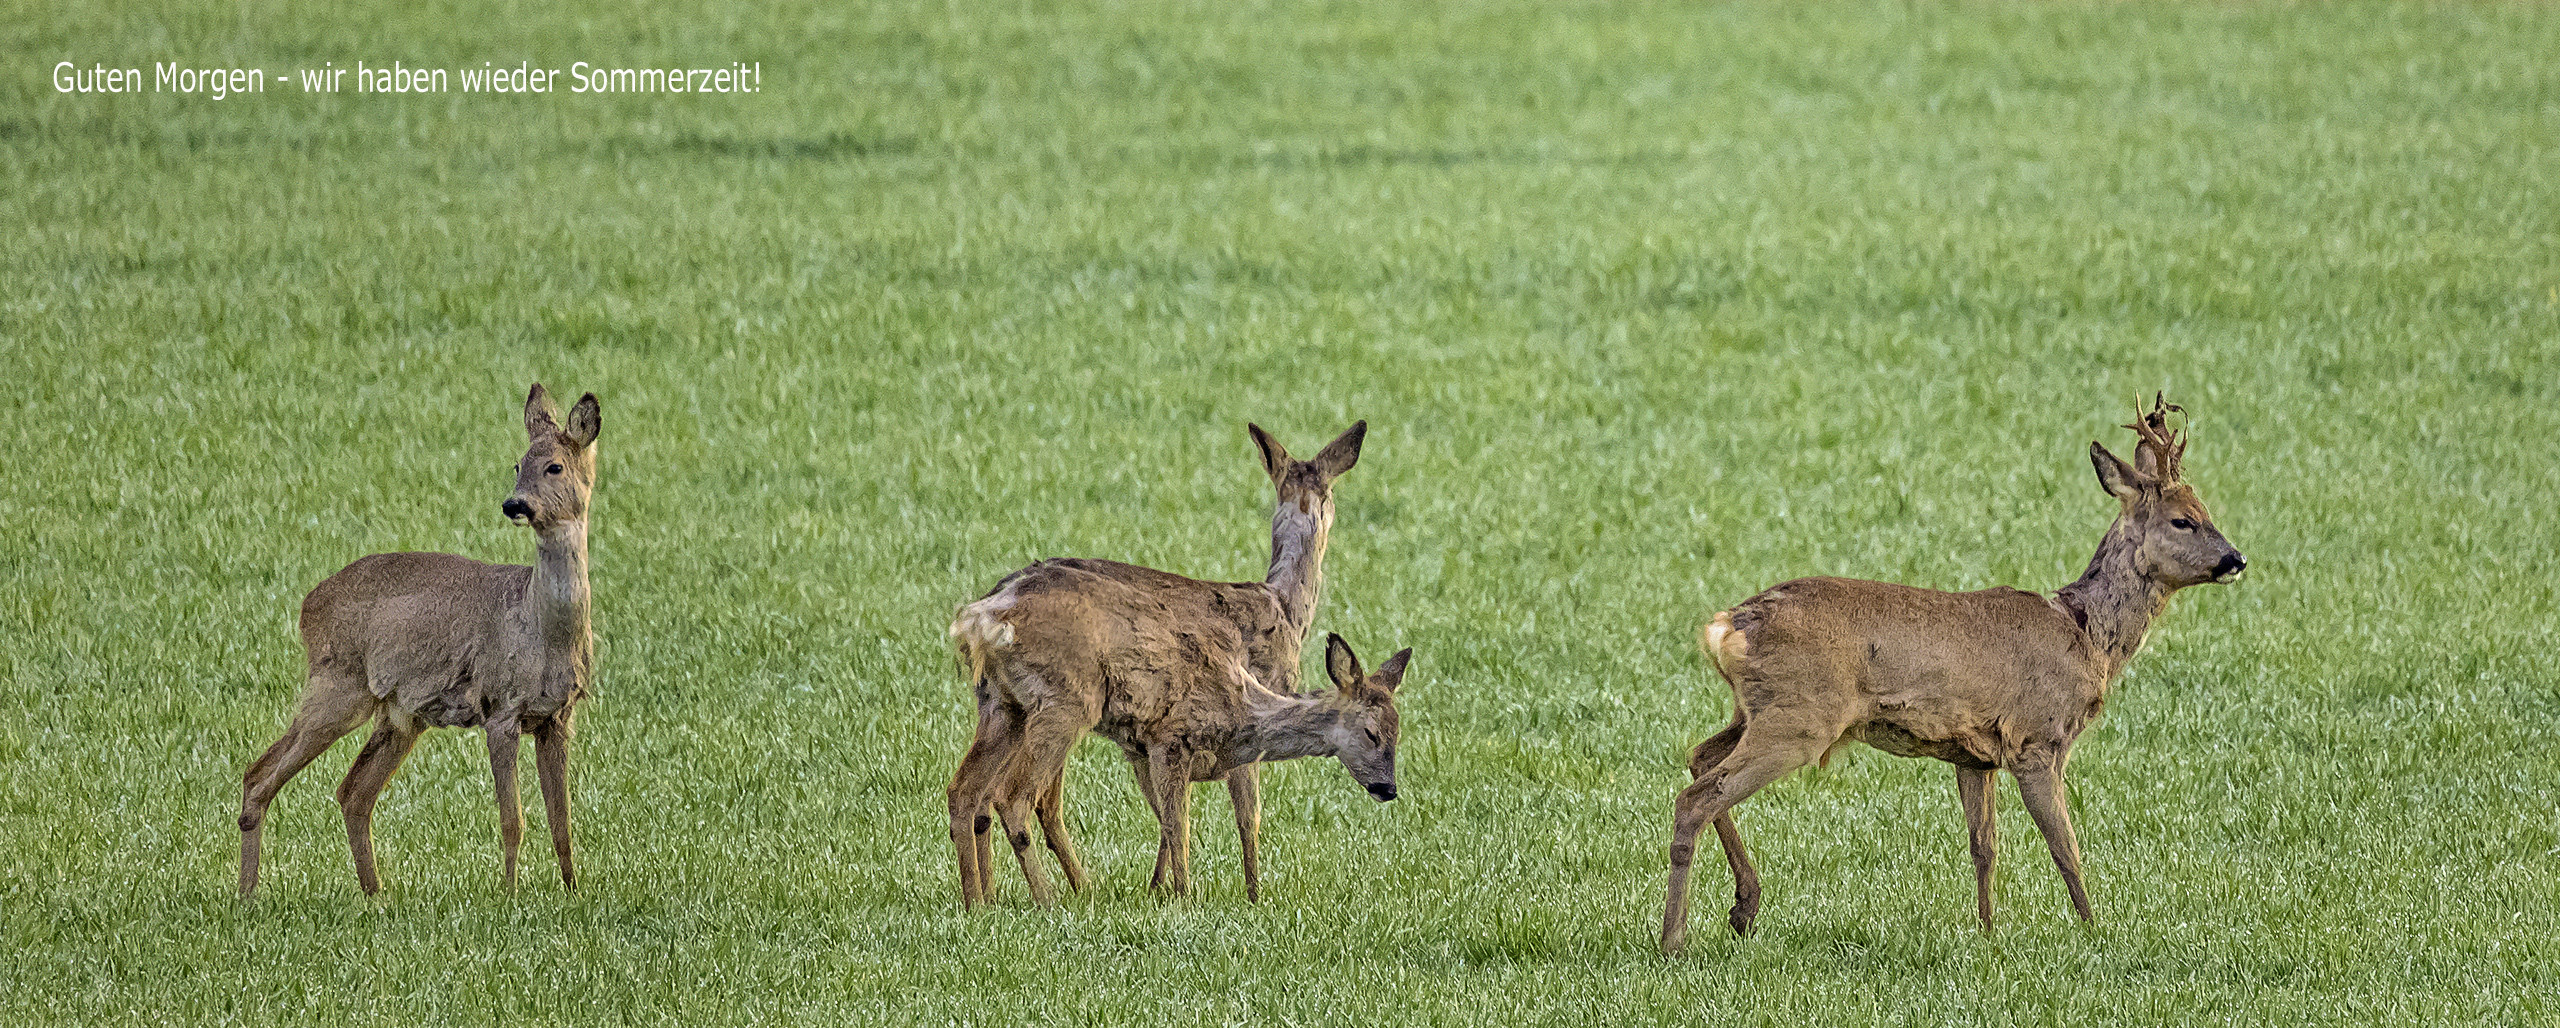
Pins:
<point x="2161" y="450"/>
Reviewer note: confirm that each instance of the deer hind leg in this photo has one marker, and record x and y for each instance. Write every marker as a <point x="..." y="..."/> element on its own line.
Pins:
<point x="1052" y="809"/>
<point x="1048" y="735"/>
<point x="1758" y="758"/>
<point x="1975" y="792"/>
<point x="393" y="736"/>
<point x="1746" y="880"/>
<point x="331" y="707"/>
<point x="551" y="761"/>
<point x="972" y="791"/>
<point x="2043" y="791"/>
<point x="506" y="750"/>
<point x="1244" y="790"/>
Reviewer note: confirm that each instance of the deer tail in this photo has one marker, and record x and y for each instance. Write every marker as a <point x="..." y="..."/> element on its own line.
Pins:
<point x="975" y="631"/>
<point x="1724" y="644"/>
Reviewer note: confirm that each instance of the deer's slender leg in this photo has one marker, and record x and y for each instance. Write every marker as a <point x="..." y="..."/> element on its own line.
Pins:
<point x="1142" y="767"/>
<point x="1244" y="790"/>
<point x="392" y="738"/>
<point x="331" y="707"/>
<point x="1712" y="752"/>
<point x="1975" y="791"/>
<point x="1171" y="770"/>
<point x="1052" y="809"/>
<point x="2043" y="792"/>
<point x="1756" y="761"/>
<point x="551" y="762"/>
<point x="1746" y="881"/>
<point x="505" y="750"/>
<point x="973" y="791"/>
<point x="1049" y="733"/>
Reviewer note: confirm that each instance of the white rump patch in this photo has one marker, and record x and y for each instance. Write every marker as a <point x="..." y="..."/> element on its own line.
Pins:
<point x="1723" y="642"/>
<point x="981" y="623"/>
<point x="976" y="627"/>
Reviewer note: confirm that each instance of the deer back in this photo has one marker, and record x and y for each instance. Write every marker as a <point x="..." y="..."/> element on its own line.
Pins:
<point x="1146" y="649"/>
<point x="1969" y="677"/>
<point x="440" y="636"/>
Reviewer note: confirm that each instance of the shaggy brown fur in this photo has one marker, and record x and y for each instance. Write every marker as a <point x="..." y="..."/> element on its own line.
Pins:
<point x="1983" y="680"/>
<point x="431" y="640"/>
<point x="1195" y="680"/>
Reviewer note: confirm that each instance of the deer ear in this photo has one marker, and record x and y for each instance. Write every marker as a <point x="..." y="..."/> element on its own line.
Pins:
<point x="1339" y="455"/>
<point x="2119" y="478"/>
<point x="537" y="413"/>
<point x="1341" y="665"/>
<point x="585" y="420"/>
<point x="1275" y="457"/>
<point x="1391" y="674"/>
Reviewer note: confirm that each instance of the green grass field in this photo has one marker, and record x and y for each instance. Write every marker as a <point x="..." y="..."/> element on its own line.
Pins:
<point x="1648" y="307"/>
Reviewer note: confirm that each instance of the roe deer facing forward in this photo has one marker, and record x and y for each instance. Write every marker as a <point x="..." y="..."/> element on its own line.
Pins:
<point x="1983" y="680"/>
<point x="1191" y="678"/>
<point x="431" y="640"/>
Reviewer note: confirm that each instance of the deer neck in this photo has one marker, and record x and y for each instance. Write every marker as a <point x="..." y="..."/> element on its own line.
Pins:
<point x="2114" y="601"/>
<point x="1282" y="727"/>
<point x="558" y="594"/>
<point x="1298" y="532"/>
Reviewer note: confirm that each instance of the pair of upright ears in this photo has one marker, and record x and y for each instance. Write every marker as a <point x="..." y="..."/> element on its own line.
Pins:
<point x="1337" y="456"/>
<point x="1343" y="666"/>
<point x="585" y="419"/>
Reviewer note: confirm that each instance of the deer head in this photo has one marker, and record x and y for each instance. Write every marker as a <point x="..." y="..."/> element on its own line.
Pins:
<point x="558" y="471"/>
<point x="1306" y="486"/>
<point x="1364" y="708"/>
<point x="2175" y="543"/>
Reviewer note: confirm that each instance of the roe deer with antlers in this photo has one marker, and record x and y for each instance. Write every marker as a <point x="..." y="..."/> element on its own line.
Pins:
<point x="1195" y="680"/>
<point x="431" y="640"/>
<point x="1983" y="680"/>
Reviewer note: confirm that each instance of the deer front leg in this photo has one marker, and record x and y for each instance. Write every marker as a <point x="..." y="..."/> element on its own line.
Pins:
<point x="551" y="762"/>
<point x="1171" y="770"/>
<point x="1975" y="790"/>
<point x="1144" y="769"/>
<point x="2043" y="792"/>
<point x="1244" y="790"/>
<point x="505" y="749"/>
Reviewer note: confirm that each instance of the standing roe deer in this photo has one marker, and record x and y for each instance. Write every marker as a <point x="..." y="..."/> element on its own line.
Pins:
<point x="1187" y="676"/>
<point x="1983" y="680"/>
<point x="431" y="640"/>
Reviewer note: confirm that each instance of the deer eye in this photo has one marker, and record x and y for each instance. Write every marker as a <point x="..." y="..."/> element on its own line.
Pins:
<point x="2181" y="524"/>
<point x="552" y="470"/>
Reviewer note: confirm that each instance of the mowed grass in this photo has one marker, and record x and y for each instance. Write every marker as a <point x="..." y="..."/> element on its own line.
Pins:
<point x="1648" y="307"/>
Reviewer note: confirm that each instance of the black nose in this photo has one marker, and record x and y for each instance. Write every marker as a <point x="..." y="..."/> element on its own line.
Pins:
<point x="1383" y="792"/>
<point x="2232" y="564"/>
<point x="515" y="508"/>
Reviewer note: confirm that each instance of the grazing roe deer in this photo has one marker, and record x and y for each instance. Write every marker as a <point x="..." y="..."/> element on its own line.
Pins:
<point x="431" y="640"/>
<point x="1985" y="680"/>
<point x="1191" y="678"/>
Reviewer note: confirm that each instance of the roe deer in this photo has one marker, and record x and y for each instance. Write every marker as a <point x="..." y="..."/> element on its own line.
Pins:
<point x="431" y="640"/>
<point x="1140" y="655"/>
<point x="1983" y="680"/>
